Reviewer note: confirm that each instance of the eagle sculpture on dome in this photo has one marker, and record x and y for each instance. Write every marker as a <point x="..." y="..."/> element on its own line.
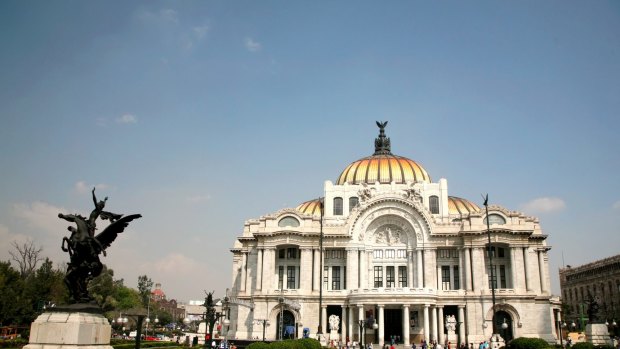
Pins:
<point x="382" y="143"/>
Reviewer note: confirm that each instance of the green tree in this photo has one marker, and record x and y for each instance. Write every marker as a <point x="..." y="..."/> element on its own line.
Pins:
<point x="103" y="289"/>
<point x="11" y="285"/>
<point x="144" y="289"/>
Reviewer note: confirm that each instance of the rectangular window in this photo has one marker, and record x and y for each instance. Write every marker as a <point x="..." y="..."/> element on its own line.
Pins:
<point x="335" y="278"/>
<point x="378" y="276"/>
<point x="353" y="202"/>
<point x="325" y="277"/>
<point x="457" y="280"/>
<point x="401" y="253"/>
<point x="344" y="278"/>
<point x="291" y="253"/>
<point x="390" y="253"/>
<point x="445" y="277"/>
<point x="290" y="277"/>
<point x="281" y="253"/>
<point x="493" y="281"/>
<point x="433" y="203"/>
<point x="502" y="276"/>
<point x="378" y="254"/>
<point x="337" y="206"/>
<point x="402" y="276"/>
<point x="390" y="280"/>
<point x="500" y="252"/>
<point x="280" y="277"/>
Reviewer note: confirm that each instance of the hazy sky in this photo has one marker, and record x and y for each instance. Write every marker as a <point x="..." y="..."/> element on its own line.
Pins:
<point x="202" y="114"/>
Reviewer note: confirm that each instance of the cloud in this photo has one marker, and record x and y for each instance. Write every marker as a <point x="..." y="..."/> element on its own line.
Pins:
<point x="41" y="216"/>
<point x="176" y="263"/>
<point x="162" y="16"/>
<point x="545" y="204"/>
<point x="201" y="31"/>
<point x="251" y="45"/>
<point x="127" y="119"/>
<point x="82" y="187"/>
<point x="6" y="241"/>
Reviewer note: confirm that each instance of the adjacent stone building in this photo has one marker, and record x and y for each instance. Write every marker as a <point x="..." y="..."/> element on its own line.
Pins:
<point x="400" y="259"/>
<point x="601" y="279"/>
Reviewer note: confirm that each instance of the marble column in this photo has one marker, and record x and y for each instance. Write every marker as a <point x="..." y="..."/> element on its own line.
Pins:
<point x="259" y="269"/>
<point x="541" y="271"/>
<point x="343" y="324"/>
<point x="244" y="261"/>
<point x="514" y="265"/>
<point x="381" y="325"/>
<point x="350" y="323"/>
<point x="434" y="323"/>
<point x="324" y="321"/>
<point x="315" y="271"/>
<point x="427" y="330"/>
<point x="438" y="283"/>
<point x="352" y="270"/>
<point x="269" y="267"/>
<point x="406" y="327"/>
<point x="420" y="270"/>
<point x="360" y="316"/>
<point x="410" y="269"/>
<point x="526" y="263"/>
<point x="363" y="269"/>
<point x="461" y="324"/>
<point x="467" y="280"/>
<point x="305" y="270"/>
<point x="440" y="322"/>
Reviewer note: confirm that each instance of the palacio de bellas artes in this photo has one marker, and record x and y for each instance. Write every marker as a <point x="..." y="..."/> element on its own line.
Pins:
<point x="387" y="254"/>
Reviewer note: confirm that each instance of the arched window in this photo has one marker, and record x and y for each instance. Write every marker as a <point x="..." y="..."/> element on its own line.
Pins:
<point x="433" y="203"/>
<point x="288" y="221"/>
<point x="495" y="219"/>
<point x="353" y="202"/>
<point x="337" y="206"/>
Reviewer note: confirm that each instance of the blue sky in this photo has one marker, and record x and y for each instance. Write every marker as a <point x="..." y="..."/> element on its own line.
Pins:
<point x="200" y="115"/>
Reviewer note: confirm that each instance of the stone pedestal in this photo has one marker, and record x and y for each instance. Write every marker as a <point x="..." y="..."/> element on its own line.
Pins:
<point x="497" y="341"/>
<point x="334" y="336"/>
<point x="597" y="334"/>
<point x="70" y="330"/>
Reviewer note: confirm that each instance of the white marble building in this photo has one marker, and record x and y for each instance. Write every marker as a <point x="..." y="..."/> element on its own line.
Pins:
<point x="397" y="251"/>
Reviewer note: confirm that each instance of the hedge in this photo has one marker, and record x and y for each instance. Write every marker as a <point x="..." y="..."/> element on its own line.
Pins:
<point x="528" y="343"/>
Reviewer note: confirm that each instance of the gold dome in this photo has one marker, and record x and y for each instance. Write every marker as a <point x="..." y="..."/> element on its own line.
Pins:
<point x="383" y="166"/>
<point x="312" y="207"/>
<point x="461" y="206"/>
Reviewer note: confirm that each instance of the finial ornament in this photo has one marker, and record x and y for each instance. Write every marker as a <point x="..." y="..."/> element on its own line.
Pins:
<point x="382" y="143"/>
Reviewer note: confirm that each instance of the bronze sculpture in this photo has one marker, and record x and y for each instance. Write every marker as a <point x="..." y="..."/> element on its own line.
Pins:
<point x="84" y="247"/>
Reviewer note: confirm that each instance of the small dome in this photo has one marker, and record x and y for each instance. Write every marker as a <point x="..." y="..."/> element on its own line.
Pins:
<point x="461" y="206"/>
<point x="312" y="207"/>
<point x="383" y="166"/>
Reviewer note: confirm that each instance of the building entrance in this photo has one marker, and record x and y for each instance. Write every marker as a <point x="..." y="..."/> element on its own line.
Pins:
<point x="393" y="326"/>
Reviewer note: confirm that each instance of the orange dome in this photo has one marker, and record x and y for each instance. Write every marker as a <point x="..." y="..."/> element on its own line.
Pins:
<point x="461" y="206"/>
<point x="312" y="207"/>
<point x="383" y="168"/>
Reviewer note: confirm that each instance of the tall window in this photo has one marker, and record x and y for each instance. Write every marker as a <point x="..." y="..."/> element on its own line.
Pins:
<point x="281" y="277"/>
<point x="335" y="278"/>
<point x="378" y="276"/>
<point x="402" y="276"/>
<point x="390" y="279"/>
<point x="290" y="277"/>
<point x="502" y="276"/>
<point x="378" y="254"/>
<point x="445" y="277"/>
<point x="325" y="277"/>
<point x="457" y="281"/>
<point x="433" y="203"/>
<point x="493" y="282"/>
<point x="291" y="253"/>
<point x="337" y="206"/>
<point x="353" y="202"/>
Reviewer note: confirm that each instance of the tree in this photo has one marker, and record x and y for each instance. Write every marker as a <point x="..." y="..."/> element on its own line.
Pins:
<point x="11" y="285"/>
<point x="144" y="289"/>
<point x="103" y="289"/>
<point x="27" y="256"/>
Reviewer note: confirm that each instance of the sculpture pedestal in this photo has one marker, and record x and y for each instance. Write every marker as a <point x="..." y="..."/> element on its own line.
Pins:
<point x="597" y="334"/>
<point x="334" y="336"/>
<point x="497" y="341"/>
<point x="70" y="330"/>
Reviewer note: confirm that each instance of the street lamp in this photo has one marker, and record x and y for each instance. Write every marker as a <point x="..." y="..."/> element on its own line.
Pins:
<point x="265" y="322"/>
<point x="490" y="253"/>
<point x="319" y="331"/>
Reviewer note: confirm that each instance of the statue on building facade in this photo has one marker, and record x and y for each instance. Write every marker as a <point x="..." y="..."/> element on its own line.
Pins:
<point x="84" y="247"/>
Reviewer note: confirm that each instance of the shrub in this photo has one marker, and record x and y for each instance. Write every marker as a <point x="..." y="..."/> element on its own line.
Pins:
<point x="258" y="345"/>
<point x="582" y="345"/>
<point x="528" y="343"/>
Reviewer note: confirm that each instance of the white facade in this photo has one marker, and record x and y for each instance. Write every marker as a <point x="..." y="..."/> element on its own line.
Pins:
<point x="396" y="249"/>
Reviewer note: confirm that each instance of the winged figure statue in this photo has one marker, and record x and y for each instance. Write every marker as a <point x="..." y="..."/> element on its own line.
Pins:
<point x="84" y="246"/>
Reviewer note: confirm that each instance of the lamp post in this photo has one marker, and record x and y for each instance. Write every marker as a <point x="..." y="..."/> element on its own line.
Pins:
<point x="361" y="323"/>
<point x="319" y="331"/>
<point x="264" y="322"/>
<point x="490" y="253"/>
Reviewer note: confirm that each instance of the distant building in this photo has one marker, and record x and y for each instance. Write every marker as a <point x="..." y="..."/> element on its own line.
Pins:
<point x="601" y="279"/>
<point x="158" y="299"/>
<point x="399" y="253"/>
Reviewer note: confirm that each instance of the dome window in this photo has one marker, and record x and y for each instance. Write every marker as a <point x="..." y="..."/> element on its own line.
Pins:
<point x="495" y="219"/>
<point x="353" y="202"/>
<point x="338" y="206"/>
<point x="433" y="203"/>
<point x="288" y="221"/>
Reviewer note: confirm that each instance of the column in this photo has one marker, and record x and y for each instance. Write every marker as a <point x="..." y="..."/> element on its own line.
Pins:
<point x="434" y="323"/>
<point x="315" y="271"/>
<point x="360" y="316"/>
<point x="442" y="340"/>
<point x="363" y="269"/>
<point x="324" y="320"/>
<point x="467" y="280"/>
<point x="438" y="282"/>
<point x="410" y="269"/>
<point x="269" y="266"/>
<point x="427" y="330"/>
<point x="352" y="270"/>
<point x="381" y="326"/>
<point x="244" y="261"/>
<point x="350" y="324"/>
<point x="430" y="269"/>
<point x="514" y="265"/>
<point x="305" y="273"/>
<point x="541" y="271"/>
<point x="526" y="263"/>
<point x="477" y="269"/>
<point x="343" y="326"/>
<point x="420" y="271"/>
<point x="259" y="269"/>
<point x="406" y="326"/>
<point x="461" y="323"/>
